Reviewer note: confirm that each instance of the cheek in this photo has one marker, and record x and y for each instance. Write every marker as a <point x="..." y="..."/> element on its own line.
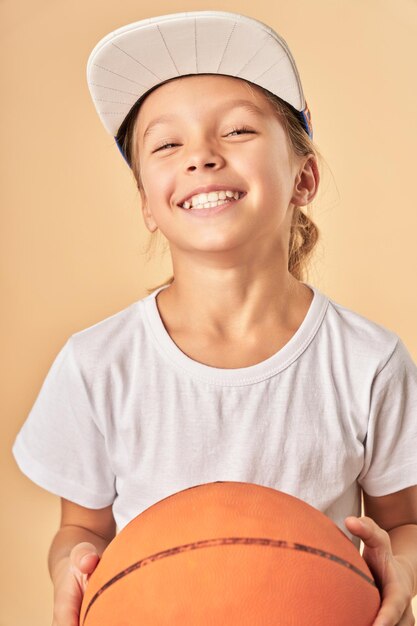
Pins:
<point x="268" y="163"/>
<point x="160" y="191"/>
<point x="275" y="186"/>
<point x="157" y="179"/>
<point x="278" y="177"/>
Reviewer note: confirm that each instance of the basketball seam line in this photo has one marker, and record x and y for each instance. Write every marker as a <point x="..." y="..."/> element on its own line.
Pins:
<point x="209" y="543"/>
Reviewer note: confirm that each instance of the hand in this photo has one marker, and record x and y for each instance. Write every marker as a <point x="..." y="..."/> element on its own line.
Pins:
<point x="392" y="574"/>
<point x="70" y="582"/>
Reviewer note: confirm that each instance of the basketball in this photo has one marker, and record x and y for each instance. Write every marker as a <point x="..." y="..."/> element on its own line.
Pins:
<point x="235" y="554"/>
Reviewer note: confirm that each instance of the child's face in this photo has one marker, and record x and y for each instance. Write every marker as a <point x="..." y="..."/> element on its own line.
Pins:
<point x="202" y="150"/>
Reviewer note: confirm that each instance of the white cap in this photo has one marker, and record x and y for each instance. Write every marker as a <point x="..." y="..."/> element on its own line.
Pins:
<point x="134" y="59"/>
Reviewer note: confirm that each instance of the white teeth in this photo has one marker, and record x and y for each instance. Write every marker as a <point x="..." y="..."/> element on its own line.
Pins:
<point x="207" y="205"/>
<point x="212" y="196"/>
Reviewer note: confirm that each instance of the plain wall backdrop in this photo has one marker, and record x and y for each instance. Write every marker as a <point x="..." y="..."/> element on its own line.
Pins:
<point x="72" y="232"/>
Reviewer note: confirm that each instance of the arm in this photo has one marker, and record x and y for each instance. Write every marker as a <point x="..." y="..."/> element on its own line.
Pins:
<point x="79" y="524"/>
<point x="389" y="533"/>
<point x="396" y="513"/>
<point x="74" y="553"/>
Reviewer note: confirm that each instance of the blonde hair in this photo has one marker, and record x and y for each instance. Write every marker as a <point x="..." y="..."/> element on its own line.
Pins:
<point x="304" y="233"/>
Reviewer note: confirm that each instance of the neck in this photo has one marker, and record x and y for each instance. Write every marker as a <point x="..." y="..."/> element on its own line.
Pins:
<point x="234" y="305"/>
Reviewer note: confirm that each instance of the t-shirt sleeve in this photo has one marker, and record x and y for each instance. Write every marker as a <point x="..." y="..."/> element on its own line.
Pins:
<point x="391" y="441"/>
<point x="60" y="446"/>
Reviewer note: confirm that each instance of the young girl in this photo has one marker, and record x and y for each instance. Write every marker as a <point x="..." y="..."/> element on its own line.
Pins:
<point x="235" y="369"/>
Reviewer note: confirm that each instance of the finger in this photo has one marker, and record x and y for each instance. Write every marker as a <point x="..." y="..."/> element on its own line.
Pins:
<point x="408" y="618"/>
<point x="84" y="556"/>
<point x="366" y="529"/>
<point x="62" y="619"/>
<point x="89" y="563"/>
<point x="65" y="609"/>
<point x="394" y="608"/>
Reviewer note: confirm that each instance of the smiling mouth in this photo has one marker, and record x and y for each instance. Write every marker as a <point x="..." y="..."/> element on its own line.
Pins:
<point x="218" y="207"/>
<point x="210" y="199"/>
<point x="196" y="206"/>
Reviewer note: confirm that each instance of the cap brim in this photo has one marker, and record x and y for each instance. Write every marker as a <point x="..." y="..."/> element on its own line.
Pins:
<point x="131" y="60"/>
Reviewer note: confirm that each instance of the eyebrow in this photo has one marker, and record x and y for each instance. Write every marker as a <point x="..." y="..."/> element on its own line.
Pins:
<point x="231" y="104"/>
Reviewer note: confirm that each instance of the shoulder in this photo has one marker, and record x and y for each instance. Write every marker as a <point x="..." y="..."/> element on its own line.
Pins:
<point x="108" y="341"/>
<point x="357" y="338"/>
<point x="358" y="327"/>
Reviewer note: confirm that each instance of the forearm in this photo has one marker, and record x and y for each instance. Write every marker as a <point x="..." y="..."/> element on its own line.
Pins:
<point x="404" y="545"/>
<point x="65" y="539"/>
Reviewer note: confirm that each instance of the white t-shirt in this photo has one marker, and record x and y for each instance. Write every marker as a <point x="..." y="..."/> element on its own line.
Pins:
<point x="124" y="417"/>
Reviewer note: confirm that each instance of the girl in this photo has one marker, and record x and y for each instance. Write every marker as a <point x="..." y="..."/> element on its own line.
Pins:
<point x="235" y="369"/>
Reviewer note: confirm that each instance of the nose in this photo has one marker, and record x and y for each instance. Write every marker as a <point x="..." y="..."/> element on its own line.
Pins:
<point x="203" y="157"/>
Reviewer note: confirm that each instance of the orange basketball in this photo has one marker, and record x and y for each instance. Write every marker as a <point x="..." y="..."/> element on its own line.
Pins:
<point x="231" y="554"/>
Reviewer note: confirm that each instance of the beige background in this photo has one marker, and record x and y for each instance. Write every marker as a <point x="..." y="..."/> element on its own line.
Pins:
<point x="73" y="237"/>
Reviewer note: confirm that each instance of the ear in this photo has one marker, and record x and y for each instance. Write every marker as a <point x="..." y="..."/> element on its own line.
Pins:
<point x="307" y="182"/>
<point x="150" y="223"/>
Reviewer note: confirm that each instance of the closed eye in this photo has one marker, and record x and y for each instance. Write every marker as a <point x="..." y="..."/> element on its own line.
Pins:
<point x="235" y="130"/>
<point x="241" y="130"/>
<point x="166" y="145"/>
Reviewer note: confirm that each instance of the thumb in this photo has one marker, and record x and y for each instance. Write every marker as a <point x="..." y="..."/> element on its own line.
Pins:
<point x="84" y="557"/>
